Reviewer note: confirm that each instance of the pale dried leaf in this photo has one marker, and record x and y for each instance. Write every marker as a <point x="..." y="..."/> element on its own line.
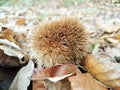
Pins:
<point x="22" y="81"/>
<point x="113" y="52"/>
<point x="56" y="79"/>
<point x="112" y="25"/>
<point x="12" y="44"/>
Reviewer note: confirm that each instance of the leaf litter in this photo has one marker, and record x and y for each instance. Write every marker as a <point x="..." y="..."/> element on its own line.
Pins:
<point x="102" y="22"/>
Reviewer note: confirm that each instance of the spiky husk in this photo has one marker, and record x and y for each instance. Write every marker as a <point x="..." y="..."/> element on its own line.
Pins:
<point x="58" y="42"/>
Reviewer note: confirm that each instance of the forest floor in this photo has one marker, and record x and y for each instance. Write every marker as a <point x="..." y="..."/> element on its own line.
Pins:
<point x="101" y="20"/>
<point x="98" y="17"/>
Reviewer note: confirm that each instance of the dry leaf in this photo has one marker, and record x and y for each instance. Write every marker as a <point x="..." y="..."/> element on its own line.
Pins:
<point x="9" y="61"/>
<point x="84" y="81"/>
<point x="9" y="35"/>
<point x="117" y="37"/>
<point x="63" y="77"/>
<point x="55" y="78"/>
<point x="112" y="25"/>
<point x="20" y="21"/>
<point x="116" y="88"/>
<point x="12" y="54"/>
<point x="113" y="52"/>
<point x="22" y="81"/>
<point x="7" y="31"/>
<point x="12" y="57"/>
<point x="20" y="37"/>
<point x="4" y="20"/>
<point x="104" y="68"/>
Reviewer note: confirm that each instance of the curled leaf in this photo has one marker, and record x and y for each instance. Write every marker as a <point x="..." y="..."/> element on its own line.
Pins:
<point x="11" y="52"/>
<point x="64" y="77"/>
<point x="55" y="77"/>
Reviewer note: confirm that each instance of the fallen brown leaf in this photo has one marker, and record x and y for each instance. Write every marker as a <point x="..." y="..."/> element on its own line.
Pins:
<point x="11" y="52"/>
<point x="104" y="68"/>
<point x="8" y="61"/>
<point x="9" y="35"/>
<point x="75" y="81"/>
<point x="55" y="78"/>
<point x="84" y="82"/>
<point x="20" y="21"/>
<point x="117" y="37"/>
<point x="118" y="88"/>
<point x="6" y="31"/>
